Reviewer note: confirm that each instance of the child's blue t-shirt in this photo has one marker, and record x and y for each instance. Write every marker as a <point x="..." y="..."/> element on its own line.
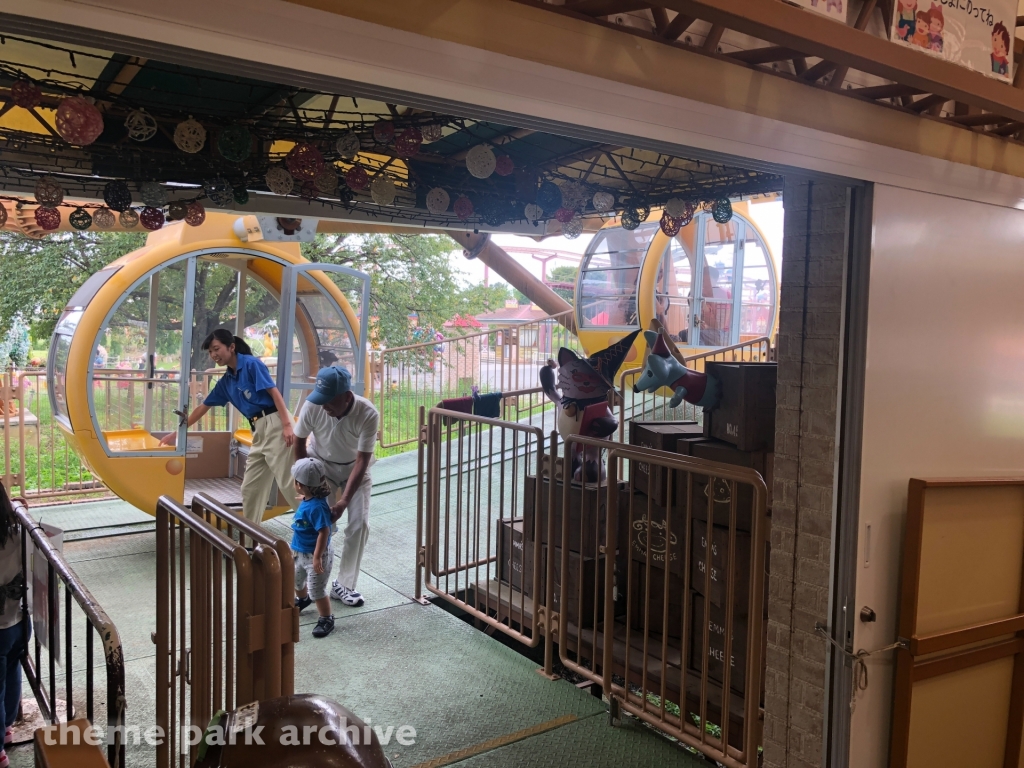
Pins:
<point x="312" y="516"/>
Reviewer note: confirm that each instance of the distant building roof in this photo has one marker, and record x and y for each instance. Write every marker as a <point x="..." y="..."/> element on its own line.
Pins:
<point x="521" y="313"/>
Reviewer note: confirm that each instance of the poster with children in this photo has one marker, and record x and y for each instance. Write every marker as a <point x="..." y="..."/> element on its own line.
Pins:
<point x="961" y="31"/>
<point x="835" y="9"/>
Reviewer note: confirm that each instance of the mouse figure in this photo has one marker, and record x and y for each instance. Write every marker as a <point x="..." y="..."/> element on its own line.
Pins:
<point x="579" y="387"/>
<point x="664" y="368"/>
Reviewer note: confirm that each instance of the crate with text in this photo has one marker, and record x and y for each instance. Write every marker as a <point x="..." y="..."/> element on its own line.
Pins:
<point x="745" y="414"/>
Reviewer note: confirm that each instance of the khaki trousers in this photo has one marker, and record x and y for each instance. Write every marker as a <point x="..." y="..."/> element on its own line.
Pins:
<point x="357" y="528"/>
<point x="269" y="460"/>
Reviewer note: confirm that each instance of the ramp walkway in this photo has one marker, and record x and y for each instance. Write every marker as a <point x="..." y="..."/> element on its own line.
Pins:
<point x="472" y="700"/>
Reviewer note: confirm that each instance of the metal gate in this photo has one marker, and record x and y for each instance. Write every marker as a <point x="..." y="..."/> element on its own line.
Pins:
<point x="225" y="634"/>
<point x="648" y="576"/>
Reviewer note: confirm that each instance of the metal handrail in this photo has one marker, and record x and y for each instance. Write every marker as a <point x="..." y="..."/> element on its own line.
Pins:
<point x="98" y="621"/>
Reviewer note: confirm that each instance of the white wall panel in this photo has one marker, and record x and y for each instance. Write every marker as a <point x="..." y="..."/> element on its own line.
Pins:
<point x="944" y="392"/>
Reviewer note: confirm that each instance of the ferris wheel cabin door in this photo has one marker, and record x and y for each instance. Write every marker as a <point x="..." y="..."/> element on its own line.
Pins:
<point x="321" y="334"/>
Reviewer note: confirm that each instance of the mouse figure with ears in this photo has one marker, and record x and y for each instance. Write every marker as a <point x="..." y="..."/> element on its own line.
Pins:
<point x="579" y="387"/>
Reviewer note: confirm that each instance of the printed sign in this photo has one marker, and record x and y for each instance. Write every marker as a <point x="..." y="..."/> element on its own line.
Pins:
<point x="835" y="9"/>
<point x="975" y="34"/>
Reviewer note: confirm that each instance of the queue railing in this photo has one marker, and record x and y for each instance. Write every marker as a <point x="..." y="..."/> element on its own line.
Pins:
<point x="44" y="656"/>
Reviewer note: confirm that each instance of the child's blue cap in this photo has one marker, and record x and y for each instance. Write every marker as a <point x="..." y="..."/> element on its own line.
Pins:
<point x="330" y="382"/>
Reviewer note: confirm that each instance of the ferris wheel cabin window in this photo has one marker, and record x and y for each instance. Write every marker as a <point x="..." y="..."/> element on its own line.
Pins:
<point x="609" y="277"/>
<point x="716" y="285"/>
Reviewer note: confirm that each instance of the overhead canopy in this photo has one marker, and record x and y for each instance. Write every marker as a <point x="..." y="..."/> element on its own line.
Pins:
<point x="496" y="177"/>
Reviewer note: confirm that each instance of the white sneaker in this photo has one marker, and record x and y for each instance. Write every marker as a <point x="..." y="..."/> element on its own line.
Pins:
<point x="347" y="596"/>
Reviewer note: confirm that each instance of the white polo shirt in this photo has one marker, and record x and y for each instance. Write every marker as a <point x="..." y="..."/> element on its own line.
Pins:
<point x="338" y="442"/>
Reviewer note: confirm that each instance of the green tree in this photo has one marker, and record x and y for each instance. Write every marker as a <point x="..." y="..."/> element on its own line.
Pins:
<point x="38" y="277"/>
<point x="564" y="273"/>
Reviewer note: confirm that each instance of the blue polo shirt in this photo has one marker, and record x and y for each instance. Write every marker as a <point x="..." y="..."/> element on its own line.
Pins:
<point x="245" y="387"/>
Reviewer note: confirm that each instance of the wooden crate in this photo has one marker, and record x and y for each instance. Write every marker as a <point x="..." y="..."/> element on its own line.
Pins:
<point x="588" y="514"/>
<point x="715" y="651"/>
<point x="649" y="533"/>
<point x="515" y="555"/>
<point x="762" y="462"/>
<point x="661" y="436"/>
<point x="715" y="587"/>
<point x="745" y="415"/>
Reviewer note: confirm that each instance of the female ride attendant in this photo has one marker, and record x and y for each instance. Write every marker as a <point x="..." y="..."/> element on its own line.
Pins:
<point x="247" y="386"/>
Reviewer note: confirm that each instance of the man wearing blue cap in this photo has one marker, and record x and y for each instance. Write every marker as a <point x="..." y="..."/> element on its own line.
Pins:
<point x="339" y="427"/>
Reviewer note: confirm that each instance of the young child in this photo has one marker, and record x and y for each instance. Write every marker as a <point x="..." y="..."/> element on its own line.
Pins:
<point x="311" y="542"/>
<point x="15" y="629"/>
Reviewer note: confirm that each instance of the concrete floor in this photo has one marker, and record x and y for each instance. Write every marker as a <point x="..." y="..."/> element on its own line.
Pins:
<point x="472" y="700"/>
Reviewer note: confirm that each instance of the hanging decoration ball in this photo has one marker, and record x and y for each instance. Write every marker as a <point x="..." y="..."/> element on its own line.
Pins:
<point x="234" y="143"/>
<point x="128" y="218"/>
<point x="176" y="210"/>
<point x="675" y="207"/>
<point x="575" y="196"/>
<point x="721" y="210"/>
<point x="347" y="145"/>
<point x="670" y="225"/>
<point x="80" y="219"/>
<point x="407" y="143"/>
<point x="26" y="94"/>
<point x="549" y="197"/>
<point x="492" y="211"/>
<point x="78" y="122"/>
<point x="383" y="131"/>
<point x="357" y="178"/>
<point x="438" y="201"/>
<point x="117" y="196"/>
<point x="304" y="161"/>
<point x="49" y="193"/>
<point x="48" y="218"/>
<point x="219" y="191"/>
<point x="573" y="228"/>
<point x="689" y="211"/>
<point x="504" y="166"/>
<point x="463" y="207"/>
<point x="480" y="161"/>
<point x="564" y="215"/>
<point x="533" y="212"/>
<point x="279" y="181"/>
<point x="431" y="133"/>
<point x="103" y="218"/>
<point x="326" y="181"/>
<point x="151" y="218"/>
<point x="630" y="219"/>
<point x="3" y="214"/>
<point x="603" y="201"/>
<point x="153" y="194"/>
<point x="195" y="215"/>
<point x="241" y="195"/>
<point x="382" y="190"/>
<point x="189" y="136"/>
<point x="141" y="125"/>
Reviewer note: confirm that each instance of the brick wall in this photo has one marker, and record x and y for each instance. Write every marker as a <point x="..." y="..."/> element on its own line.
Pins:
<point x="810" y="324"/>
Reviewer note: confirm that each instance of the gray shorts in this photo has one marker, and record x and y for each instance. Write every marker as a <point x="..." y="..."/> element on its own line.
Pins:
<point x="305" y="576"/>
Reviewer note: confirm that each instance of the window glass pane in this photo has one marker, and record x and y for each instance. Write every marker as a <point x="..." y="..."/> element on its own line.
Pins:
<point x="609" y="276"/>
<point x="59" y="362"/>
<point x="673" y="290"/>
<point x="717" y="282"/>
<point x="135" y="391"/>
<point x="758" y="290"/>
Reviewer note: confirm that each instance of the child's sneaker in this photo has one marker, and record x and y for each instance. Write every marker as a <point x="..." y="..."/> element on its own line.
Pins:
<point x="9" y="736"/>
<point x="347" y="596"/>
<point x="323" y="628"/>
<point x="302" y="603"/>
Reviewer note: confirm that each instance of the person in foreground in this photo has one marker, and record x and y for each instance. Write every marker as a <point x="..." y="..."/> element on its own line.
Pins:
<point x="247" y="386"/>
<point x="341" y="430"/>
<point x="311" y="542"/>
<point x="15" y="629"/>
